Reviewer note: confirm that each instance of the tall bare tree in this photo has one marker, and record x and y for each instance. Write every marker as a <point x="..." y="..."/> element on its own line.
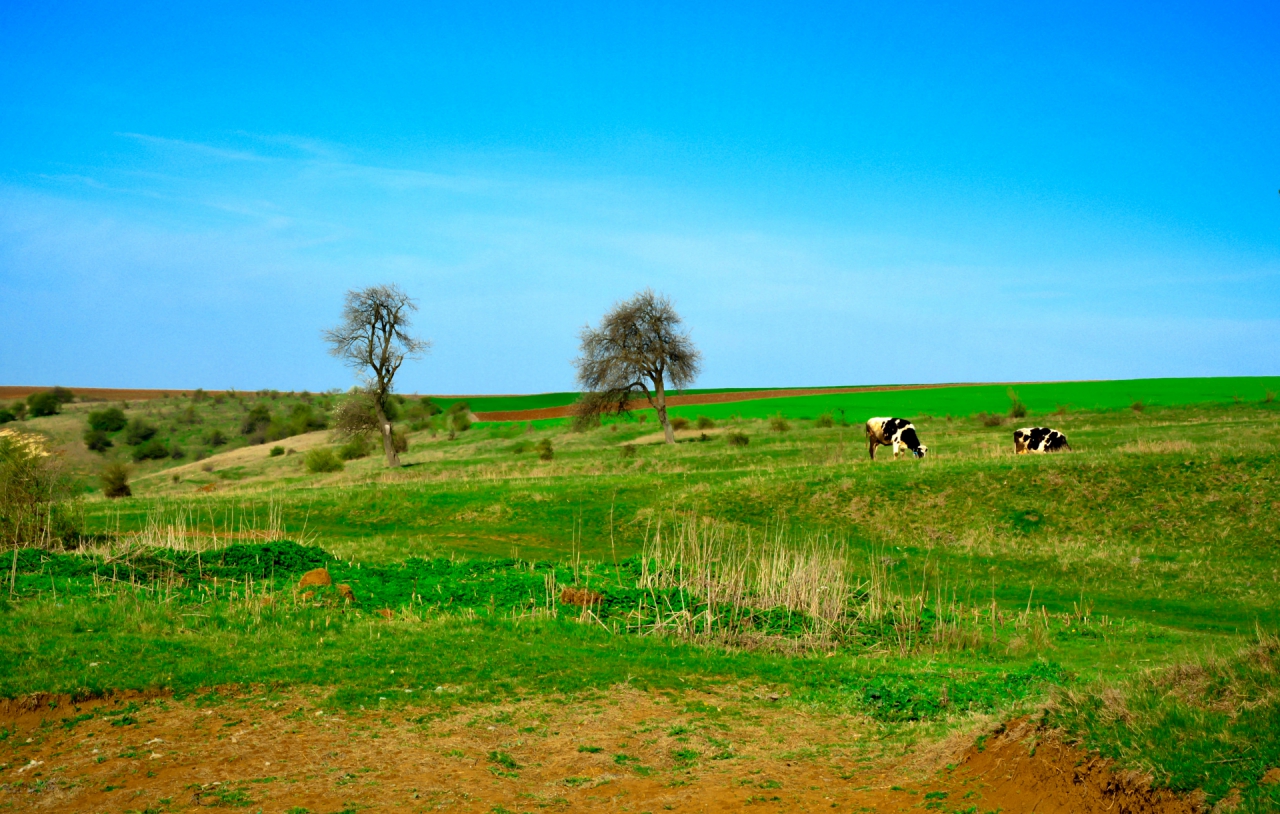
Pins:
<point x="638" y="348"/>
<point x="373" y="339"/>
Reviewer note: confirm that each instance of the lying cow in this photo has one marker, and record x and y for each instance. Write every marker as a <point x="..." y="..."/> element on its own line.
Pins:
<point x="895" y="432"/>
<point x="1038" y="439"/>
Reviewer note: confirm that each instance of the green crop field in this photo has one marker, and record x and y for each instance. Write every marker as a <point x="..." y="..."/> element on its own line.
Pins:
<point x="1125" y="594"/>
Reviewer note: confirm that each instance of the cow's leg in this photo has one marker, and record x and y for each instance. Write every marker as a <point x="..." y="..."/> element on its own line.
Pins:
<point x="897" y="449"/>
<point x="871" y="447"/>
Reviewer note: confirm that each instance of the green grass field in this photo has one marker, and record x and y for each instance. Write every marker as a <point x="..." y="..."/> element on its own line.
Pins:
<point x="1130" y="587"/>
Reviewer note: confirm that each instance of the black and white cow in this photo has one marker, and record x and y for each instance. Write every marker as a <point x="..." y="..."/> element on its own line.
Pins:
<point x="1039" y="440"/>
<point x="895" y="432"/>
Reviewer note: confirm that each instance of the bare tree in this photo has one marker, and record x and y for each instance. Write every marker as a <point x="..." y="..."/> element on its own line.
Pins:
<point x="638" y="348"/>
<point x="373" y="340"/>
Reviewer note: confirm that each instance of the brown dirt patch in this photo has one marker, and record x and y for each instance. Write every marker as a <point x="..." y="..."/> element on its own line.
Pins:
<point x="625" y="750"/>
<point x="98" y="393"/>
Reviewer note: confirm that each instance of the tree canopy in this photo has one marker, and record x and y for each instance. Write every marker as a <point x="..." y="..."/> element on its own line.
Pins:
<point x="639" y="348"/>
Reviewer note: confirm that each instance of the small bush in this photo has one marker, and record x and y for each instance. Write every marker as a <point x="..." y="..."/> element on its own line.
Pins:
<point x="628" y="450"/>
<point x="400" y="440"/>
<point x="276" y="452"/>
<point x="322" y="459"/>
<point x="216" y="438"/>
<point x="737" y="439"/>
<point x="358" y="446"/>
<point x="34" y="493"/>
<point x="1016" y="408"/>
<point x="778" y="424"/>
<point x="1137" y="406"/>
<point x="990" y="419"/>
<point x="177" y="453"/>
<point x="705" y="423"/>
<point x="545" y="451"/>
<point x="152" y="450"/>
<point x="199" y="395"/>
<point x="1270" y="397"/>
<point x="138" y="431"/>
<point x="63" y="395"/>
<point x="520" y="447"/>
<point x="112" y="419"/>
<point x="679" y="423"/>
<point x="115" y="480"/>
<point x="97" y="440"/>
<point x="256" y="421"/>
<point x="824" y="421"/>
<point x="42" y="404"/>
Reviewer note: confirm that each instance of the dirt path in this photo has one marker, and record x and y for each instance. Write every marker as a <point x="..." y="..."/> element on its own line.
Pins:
<point x="623" y="751"/>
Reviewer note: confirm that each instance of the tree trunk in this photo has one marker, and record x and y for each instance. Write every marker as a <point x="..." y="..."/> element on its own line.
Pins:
<point x="388" y="446"/>
<point x="660" y="407"/>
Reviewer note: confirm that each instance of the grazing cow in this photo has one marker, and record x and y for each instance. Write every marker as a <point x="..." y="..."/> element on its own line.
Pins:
<point x="1039" y="440"/>
<point x="895" y="432"/>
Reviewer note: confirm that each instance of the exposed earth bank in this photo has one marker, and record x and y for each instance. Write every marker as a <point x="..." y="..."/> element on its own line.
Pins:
<point x="624" y="750"/>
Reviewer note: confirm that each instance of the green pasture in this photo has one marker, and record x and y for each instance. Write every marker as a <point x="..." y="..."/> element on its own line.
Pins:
<point x="1133" y="584"/>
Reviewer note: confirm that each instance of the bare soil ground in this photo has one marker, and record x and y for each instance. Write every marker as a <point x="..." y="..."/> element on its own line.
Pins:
<point x="625" y="750"/>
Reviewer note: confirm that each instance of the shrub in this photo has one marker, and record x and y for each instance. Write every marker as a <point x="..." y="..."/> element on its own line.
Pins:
<point x="112" y="419"/>
<point x="778" y="424"/>
<point x="705" y="423"/>
<point x="276" y="452"/>
<point x="33" y="493"/>
<point x="256" y="421"/>
<point x="1267" y="399"/>
<point x="199" y="395"/>
<point x="63" y="395"/>
<point x="545" y="451"/>
<point x="357" y="446"/>
<point x="628" y="450"/>
<point x="990" y="419"/>
<point x="400" y="440"/>
<point x="216" y="438"/>
<point x="1017" y="410"/>
<point x="737" y="439"/>
<point x="115" y="480"/>
<point x="322" y="459"/>
<point x="824" y="421"/>
<point x="189" y="416"/>
<point x="7" y="415"/>
<point x="152" y="450"/>
<point x="42" y="404"/>
<point x="138" y="431"/>
<point x="520" y="447"/>
<point x="97" y="440"/>
<point x="177" y="453"/>
<point x="679" y="423"/>
<point x="1137" y="406"/>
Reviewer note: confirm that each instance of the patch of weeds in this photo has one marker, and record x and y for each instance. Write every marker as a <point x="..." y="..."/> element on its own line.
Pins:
<point x="770" y="784"/>
<point x="590" y="750"/>
<point x="685" y="756"/>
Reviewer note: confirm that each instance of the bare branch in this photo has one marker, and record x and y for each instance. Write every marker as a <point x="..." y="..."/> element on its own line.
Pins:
<point x="638" y="349"/>
<point x="373" y="339"/>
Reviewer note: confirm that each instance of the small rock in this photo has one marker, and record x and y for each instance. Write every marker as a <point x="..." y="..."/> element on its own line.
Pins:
<point x="344" y="590"/>
<point x="318" y="577"/>
<point x="1271" y="777"/>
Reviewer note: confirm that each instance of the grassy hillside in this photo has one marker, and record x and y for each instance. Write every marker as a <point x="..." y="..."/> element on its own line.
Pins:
<point x="971" y="583"/>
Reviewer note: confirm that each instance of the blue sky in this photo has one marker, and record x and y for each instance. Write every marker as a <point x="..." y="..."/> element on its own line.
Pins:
<point x="831" y="194"/>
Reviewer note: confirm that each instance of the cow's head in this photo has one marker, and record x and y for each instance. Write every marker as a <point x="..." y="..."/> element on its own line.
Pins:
<point x="920" y="451"/>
